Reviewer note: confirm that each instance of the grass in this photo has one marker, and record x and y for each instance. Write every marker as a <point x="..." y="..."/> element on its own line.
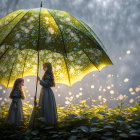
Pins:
<point x="77" y="122"/>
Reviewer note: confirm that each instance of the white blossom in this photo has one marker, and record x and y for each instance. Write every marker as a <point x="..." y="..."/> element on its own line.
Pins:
<point x="51" y="30"/>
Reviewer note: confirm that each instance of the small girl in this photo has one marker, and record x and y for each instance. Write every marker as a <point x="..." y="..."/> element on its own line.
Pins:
<point x="15" y="114"/>
<point x="47" y="103"/>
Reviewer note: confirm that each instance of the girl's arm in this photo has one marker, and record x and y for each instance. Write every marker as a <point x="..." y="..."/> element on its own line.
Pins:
<point x="15" y="96"/>
<point x="47" y="82"/>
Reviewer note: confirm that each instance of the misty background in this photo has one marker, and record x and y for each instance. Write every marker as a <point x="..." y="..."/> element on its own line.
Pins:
<point x="117" y="24"/>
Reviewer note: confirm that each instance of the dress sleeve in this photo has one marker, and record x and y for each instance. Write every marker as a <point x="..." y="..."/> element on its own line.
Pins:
<point x="15" y="96"/>
<point x="47" y="82"/>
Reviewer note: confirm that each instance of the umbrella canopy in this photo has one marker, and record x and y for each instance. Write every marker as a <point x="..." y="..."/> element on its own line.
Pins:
<point x="29" y="38"/>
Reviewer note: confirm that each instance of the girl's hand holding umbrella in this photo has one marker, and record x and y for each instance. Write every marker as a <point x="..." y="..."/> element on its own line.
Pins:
<point x="38" y="78"/>
<point x="35" y="100"/>
<point x="35" y="103"/>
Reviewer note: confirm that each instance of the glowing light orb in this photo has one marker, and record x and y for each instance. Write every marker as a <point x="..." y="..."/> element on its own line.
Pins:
<point x="133" y="93"/>
<point x="28" y="80"/>
<point x="4" y="91"/>
<point x="67" y="102"/>
<point x="71" y="98"/>
<point x="131" y="100"/>
<point x="112" y="92"/>
<point x="126" y="80"/>
<point x="92" y="86"/>
<point x="109" y="75"/>
<point x="81" y="88"/>
<point x="77" y="96"/>
<point x="100" y="89"/>
<point x="130" y="89"/>
<point x="121" y="97"/>
<point x="2" y="103"/>
<point x="100" y="98"/>
<point x="104" y="89"/>
<point x="137" y="89"/>
<point x="104" y="100"/>
<point x="128" y="52"/>
<point x="108" y="87"/>
<point x="120" y="58"/>
<point x="66" y="98"/>
<point x="112" y="85"/>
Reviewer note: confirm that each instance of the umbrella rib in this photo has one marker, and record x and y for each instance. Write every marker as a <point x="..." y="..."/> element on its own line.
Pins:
<point x="60" y="32"/>
<point x="64" y="48"/>
<point x="85" y="28"/>
<point x="11" y="20"/>
<point x="24" y="64"/>
<point x="13" y="28"/>
<point x="90" y="60"/>
<point x="67" y="69"/>
<point x="38" y="50"/>
<point x="37" y="69"/>
<point x="11" y="73"/>
<point x="4" y="53"/>
<point x="87" y="35"/>
<point x="100" y="48"/>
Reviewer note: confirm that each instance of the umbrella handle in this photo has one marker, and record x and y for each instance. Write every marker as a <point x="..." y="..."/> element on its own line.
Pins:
<point x="35" y="103"/>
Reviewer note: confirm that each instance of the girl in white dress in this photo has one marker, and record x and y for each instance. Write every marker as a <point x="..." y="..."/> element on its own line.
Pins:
<point x="15" y="114"/>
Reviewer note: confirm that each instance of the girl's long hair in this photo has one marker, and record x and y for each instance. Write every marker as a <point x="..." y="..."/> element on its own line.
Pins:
<point x="17" y="86"/>
<point x="49" y="71"/>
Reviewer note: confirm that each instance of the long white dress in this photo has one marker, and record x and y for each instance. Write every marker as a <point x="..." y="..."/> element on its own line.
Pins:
<point x="15" y="115"/>
<point x="47" y="103"/>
